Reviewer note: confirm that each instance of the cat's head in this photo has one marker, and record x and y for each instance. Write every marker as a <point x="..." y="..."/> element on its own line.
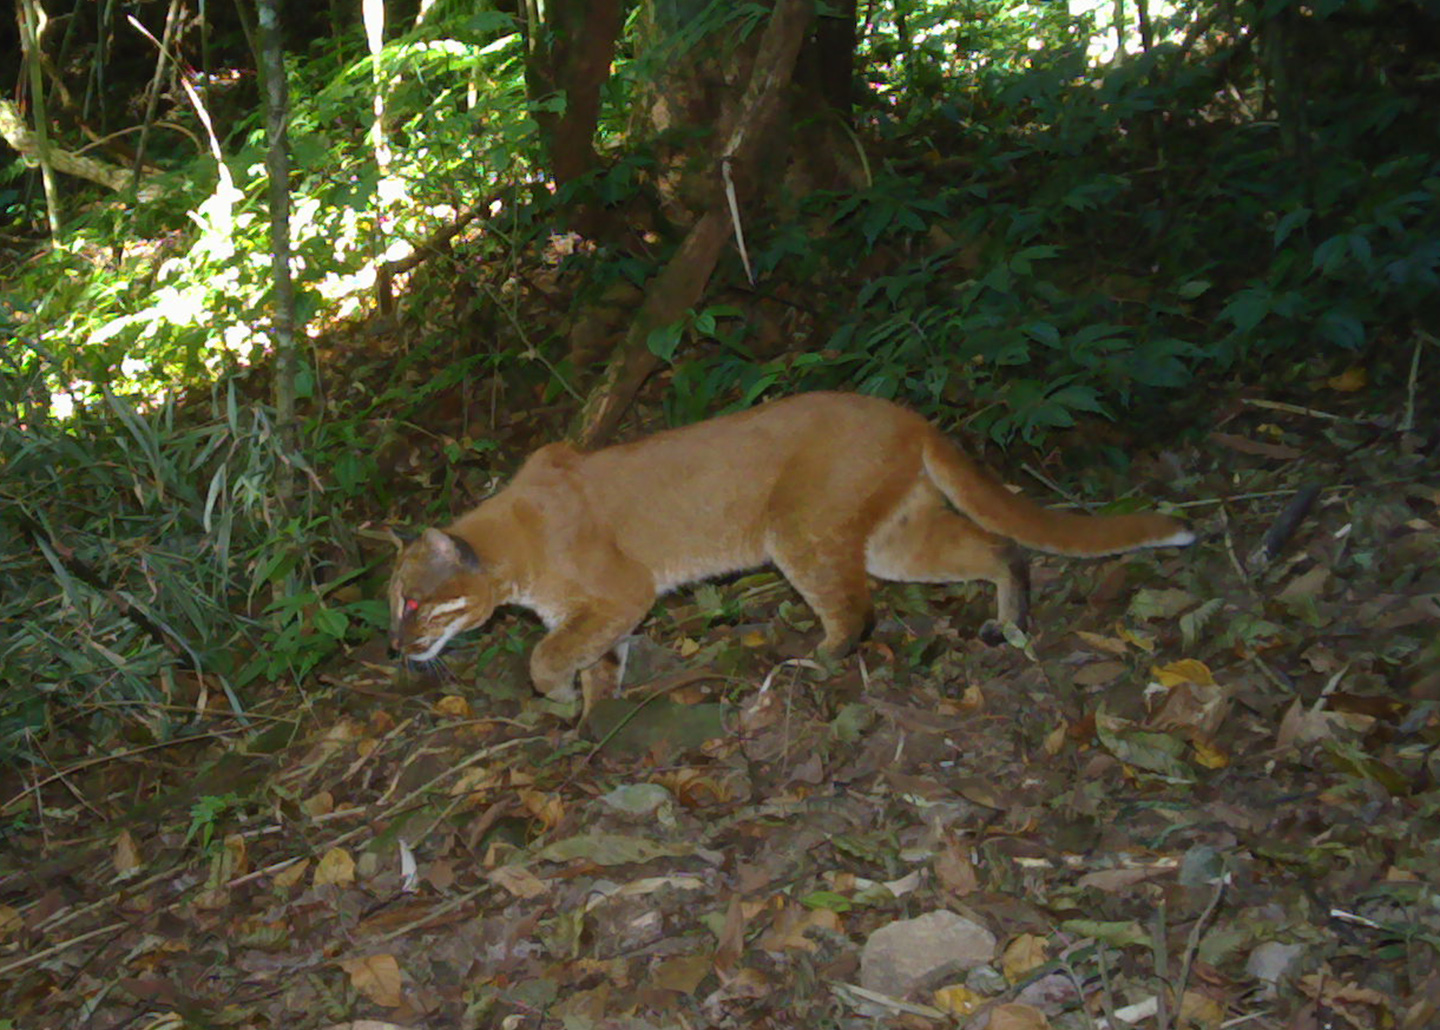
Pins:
<point x="439" y="588"/>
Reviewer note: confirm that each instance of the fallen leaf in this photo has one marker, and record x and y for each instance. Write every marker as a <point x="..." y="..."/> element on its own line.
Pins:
<point x="453" y="706"/>
<point x="955" y="870"/>
<point x="319" y="804"/>
<point x="681" y="973"/>
<point x="291" y="874"/>
<point x="1023" y="954"/>
<point x="1098" y="674"/>
<point x="957" y="1000"/>
<point x="10" y="922"/>
<point x="377" y="977"/>
<point x="611" y="849"/>
<point x="1014" y="1016"/>
<point x="1186" y="670"/>
<point x="1114" y="881"/>
<point x="1259" y="448"/>
<point x="518" y="880"/>
<point x="1161" y="603"/>
<point x="1109" y="645"/>
<point x="787" y="932"/>
<point x="336" y="867"/>
<point x="126" y="856"/>
<point x="549" y="809"/>
<point x="1352" y="379"/>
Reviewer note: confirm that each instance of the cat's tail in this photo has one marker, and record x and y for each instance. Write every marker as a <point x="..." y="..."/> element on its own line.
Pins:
<point x="986" y="501"/>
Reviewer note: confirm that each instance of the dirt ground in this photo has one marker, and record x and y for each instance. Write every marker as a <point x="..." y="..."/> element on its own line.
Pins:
<point x="1203" y="793"/>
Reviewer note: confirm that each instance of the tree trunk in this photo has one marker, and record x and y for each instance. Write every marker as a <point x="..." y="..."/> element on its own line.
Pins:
<point x="277" y="167"/>
<point x="31" y="27"/>
<point x="747" y="131"/>
<point x="570" y="48"/>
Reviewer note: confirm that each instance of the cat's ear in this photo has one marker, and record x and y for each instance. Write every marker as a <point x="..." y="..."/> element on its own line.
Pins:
<point x="448" y="549"/>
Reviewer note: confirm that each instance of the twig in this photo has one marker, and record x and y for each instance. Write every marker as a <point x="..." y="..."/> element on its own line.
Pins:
<point x="430" y="916"/>
<point x="54" y="949"/>
<point x="1192" y="945"/>
<point x="1296" y="409"/>
<point x="1407" y="421"/>
<point x="1284" y="526"/>
<point x="1162" y="969"/>
<point x="1240" y="569"/>
<point x="1052" y="485"/>
<point x="102" y="759"/>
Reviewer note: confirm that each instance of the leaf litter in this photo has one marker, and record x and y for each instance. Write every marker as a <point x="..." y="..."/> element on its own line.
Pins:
<point x="1201" y="793"/>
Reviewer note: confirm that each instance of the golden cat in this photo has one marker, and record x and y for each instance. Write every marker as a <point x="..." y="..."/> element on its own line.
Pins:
<point x="828" y="487"/>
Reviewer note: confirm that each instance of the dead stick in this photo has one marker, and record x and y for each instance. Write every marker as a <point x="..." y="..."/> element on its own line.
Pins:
<point x="1284" y="527"/>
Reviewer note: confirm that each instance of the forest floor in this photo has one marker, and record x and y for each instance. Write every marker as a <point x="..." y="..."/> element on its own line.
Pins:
<point x="1202" y="793"/>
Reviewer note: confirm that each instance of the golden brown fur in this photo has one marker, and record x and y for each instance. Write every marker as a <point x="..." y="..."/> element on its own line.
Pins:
<point x="830" y="488"/>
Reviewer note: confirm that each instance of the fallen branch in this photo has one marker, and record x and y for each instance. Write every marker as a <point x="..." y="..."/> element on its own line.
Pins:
<point x="16" y="133"/>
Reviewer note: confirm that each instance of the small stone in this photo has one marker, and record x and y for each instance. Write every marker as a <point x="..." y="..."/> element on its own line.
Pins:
<point x="1271" y="961"/>
<point x="904" y="954"/>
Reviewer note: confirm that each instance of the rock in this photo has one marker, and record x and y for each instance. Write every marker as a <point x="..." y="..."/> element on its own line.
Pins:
<point x="1271" y="961"/>
<point x="904" y="954"/>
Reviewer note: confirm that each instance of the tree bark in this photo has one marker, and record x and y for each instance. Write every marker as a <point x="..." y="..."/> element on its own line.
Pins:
<point x="30" y="22"/>
<point x="744" y="135"/>
<point x="570" y="50"/>
<point x="277" y="167"/>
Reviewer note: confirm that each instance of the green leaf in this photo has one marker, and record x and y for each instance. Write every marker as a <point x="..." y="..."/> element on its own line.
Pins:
<point x="665" y="341"/>
<point x="332" y="623"/>
<point x="611" y="849"/>
<point x="828" y="900"/>
<point x="1116" y="934"/>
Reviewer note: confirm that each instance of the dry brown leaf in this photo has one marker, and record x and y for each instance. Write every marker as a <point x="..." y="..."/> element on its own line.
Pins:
<point x="1098" y="674"/>
<point x="972" y="700"/>
<point x="518" y="880"/>
<point x="732" y="940"/>
<point x="1015" y="1016"/>
<point x="377" y="977"/>
<point x="957" y="1000"/>
<point x="787" y="932"/>
<point x="1259" y="448"/>
<point x="1301" y="725"/>
<point x="1186" y="670"/>
<point x="291" y="874"/>
<point x="453" y="706"/>
<point x="1195" y="709"/>
<point x="549" y="809"/>
<point x="1201" y="1011"/>
<point x="235" y="858"/>
<point x="1352" y="379"/>
<point x="954" y="869"/>
<point x="1025" y="953"/>
<point x="335" y="867"/>
<point x="10" y="922"/>
<point x="1109" y="645"/>
<point x="1143" y="641"/>
<point x="981" y="791"/>
<point x="1360" y="1006"/>
<point x="319" y="804"/>
<point x="1115" y="880"/>
<point x="127" y="855"/>
<point x="681" y="973"/>
<point x="1210" y="755"/>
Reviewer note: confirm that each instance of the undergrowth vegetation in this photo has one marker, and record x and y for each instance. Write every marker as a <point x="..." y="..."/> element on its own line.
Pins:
<point x="1038" y="239"/>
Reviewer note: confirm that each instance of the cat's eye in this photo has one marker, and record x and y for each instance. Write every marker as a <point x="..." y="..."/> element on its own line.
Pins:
<point x="411" y="606"/>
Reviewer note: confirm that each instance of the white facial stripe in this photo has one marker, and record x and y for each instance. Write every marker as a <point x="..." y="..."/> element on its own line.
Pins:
<point x="433" y="651"/>
<point x="455" y="604"/>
